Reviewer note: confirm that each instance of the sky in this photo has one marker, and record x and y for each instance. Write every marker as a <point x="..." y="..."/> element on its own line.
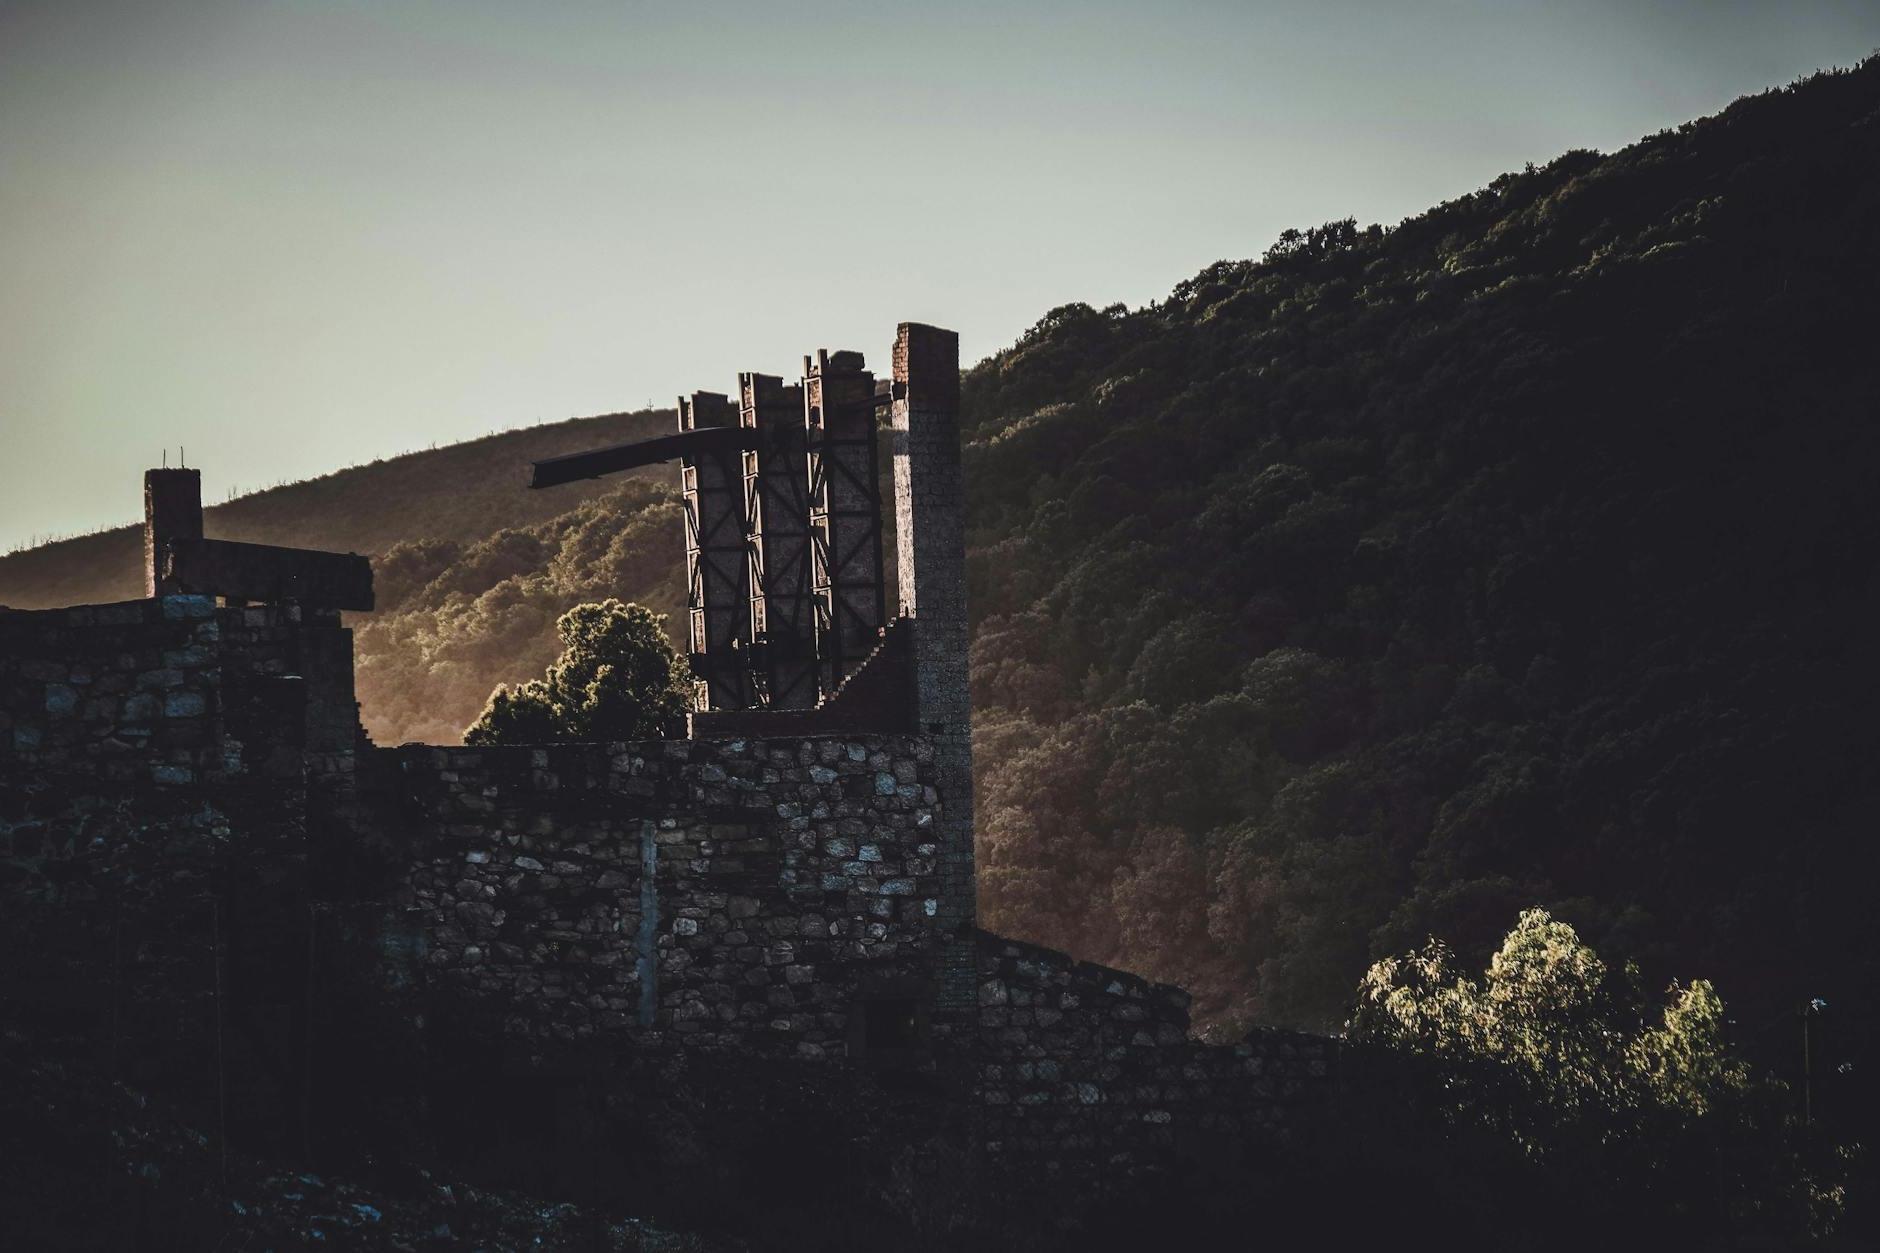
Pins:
<point x="289" y="237"/>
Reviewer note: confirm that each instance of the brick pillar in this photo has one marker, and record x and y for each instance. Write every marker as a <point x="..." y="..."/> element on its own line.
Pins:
<point x="776" y="495"/>
<point x="930" y="535"/>
<point x="716" y="599"/>
<point x="172" y="511"/>
<point x="844" y="514"/>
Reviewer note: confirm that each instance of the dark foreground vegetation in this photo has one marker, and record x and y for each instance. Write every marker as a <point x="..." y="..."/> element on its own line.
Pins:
<point x="1548" y="1104"/>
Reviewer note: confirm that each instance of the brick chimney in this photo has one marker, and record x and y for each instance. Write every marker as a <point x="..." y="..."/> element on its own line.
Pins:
<point x="930" y="537"/>
<point x="172" y="511"/>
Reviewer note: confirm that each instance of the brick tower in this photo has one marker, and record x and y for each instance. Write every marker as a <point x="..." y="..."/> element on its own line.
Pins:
<point x="172" y="511"/>
<point x="930" y="538"/>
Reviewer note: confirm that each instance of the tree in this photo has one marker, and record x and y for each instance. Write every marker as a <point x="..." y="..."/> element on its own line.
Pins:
<point x="1547" y="1011"/>
<point x="1558" y="1056"/>
<point x="616" y="679"/>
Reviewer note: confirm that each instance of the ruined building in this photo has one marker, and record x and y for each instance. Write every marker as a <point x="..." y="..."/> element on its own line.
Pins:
<point x="627" y="970"/>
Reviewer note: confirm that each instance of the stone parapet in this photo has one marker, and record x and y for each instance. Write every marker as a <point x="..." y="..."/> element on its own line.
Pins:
<point x="1082" y="1069"/>
<point x="689" y="893"/>
<point x="174" y="691"/>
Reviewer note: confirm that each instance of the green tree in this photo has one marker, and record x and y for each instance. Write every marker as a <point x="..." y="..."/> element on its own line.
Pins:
<point x="1558" y="1056"/>
<point x="1547" y="1010"/>
<point x="616" y="679"/>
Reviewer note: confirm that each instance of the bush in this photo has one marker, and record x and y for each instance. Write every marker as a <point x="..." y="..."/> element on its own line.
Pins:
<point x="1633" y="1116"/>
<point x="616" y="679"/>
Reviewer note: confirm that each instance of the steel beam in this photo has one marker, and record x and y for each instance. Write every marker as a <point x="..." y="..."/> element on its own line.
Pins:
<point x="776" y="510"/>
<point x="712" y="492"/>
<point x="576" y="466"/>
<point x="844" y="514"/>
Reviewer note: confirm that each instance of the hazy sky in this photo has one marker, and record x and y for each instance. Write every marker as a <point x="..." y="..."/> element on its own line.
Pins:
<point x="294" y="236"/>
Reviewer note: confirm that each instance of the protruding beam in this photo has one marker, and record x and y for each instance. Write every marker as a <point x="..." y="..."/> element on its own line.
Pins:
<point x="576" y="466"/>
<point x="844" y="514"/>
<point x="776" y="509"/>
<point x="263" y="572"/>
<point x="716" y="569"/>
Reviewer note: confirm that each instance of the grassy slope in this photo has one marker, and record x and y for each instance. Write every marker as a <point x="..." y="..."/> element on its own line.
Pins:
<point x="460" y="492"/>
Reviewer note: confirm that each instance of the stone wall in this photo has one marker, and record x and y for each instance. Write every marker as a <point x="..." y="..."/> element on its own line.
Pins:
<point x="127" y="690"/>
<point x="164" y="767"/>
<point x="1082" y="1068"/>
<point x="175" y="691"/>
<point x="930" y="539"/>
<point x="689" y="893"/>
<point x="211" y="878"/>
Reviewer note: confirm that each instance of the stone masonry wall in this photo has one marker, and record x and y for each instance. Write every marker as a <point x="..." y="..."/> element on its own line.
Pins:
<point x="190" y="825"/>
<point x="157" y="794"/>
<point x="167" y="690"/>
<point x="127" y="690"/>
<point x="687" y="893"/>
<point x="930" y="521"/>
<point x="1082" y="1068"/>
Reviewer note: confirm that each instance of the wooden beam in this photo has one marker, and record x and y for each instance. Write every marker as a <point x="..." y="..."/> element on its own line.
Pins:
<point x="263" y="572"/>
<point x="576" y="466"/>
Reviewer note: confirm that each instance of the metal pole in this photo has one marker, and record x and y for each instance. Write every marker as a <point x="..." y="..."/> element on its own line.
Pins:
<point x="221" y="1084"/>
<point x="1808" y="1078"/>
<point x="306" y="1043"/>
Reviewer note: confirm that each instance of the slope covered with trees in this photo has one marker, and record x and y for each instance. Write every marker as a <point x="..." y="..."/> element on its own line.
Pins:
<point x="618" y="678"/>
<point x="1522" y="554"/>
<point x="456" y="619"/>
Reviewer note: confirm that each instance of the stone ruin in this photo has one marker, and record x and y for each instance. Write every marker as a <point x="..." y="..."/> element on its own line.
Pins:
<point x="631" y="971"/>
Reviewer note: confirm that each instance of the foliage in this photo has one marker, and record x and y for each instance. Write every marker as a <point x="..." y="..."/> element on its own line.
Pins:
<point x="1560" y="1058"/>
<point x="457" y="619"/>
<point x="1549" y="1011"/>
<point x="1408" y="576"/>
<point x="616" y="679"/>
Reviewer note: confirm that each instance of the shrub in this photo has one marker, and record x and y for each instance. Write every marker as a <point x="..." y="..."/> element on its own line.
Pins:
<point x="616" y="679"/>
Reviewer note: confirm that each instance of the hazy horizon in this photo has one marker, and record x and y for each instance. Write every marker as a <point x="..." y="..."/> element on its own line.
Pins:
<point x="294" y="237"/>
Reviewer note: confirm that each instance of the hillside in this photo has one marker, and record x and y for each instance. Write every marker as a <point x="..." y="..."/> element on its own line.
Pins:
<point x="466" y="561"/>
<point x="461" y="492"/>
<point x="1522" y="553"/>
<point x="1517" y="554"/>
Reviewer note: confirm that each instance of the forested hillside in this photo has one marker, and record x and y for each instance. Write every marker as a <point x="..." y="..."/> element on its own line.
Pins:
<point x="456" y="618"/>
<point x="1520" y="554"/>
<point x="461" y="492"/>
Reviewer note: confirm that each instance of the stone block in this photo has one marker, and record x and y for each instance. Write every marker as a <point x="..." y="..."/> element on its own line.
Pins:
<point x="184" y="705"/>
